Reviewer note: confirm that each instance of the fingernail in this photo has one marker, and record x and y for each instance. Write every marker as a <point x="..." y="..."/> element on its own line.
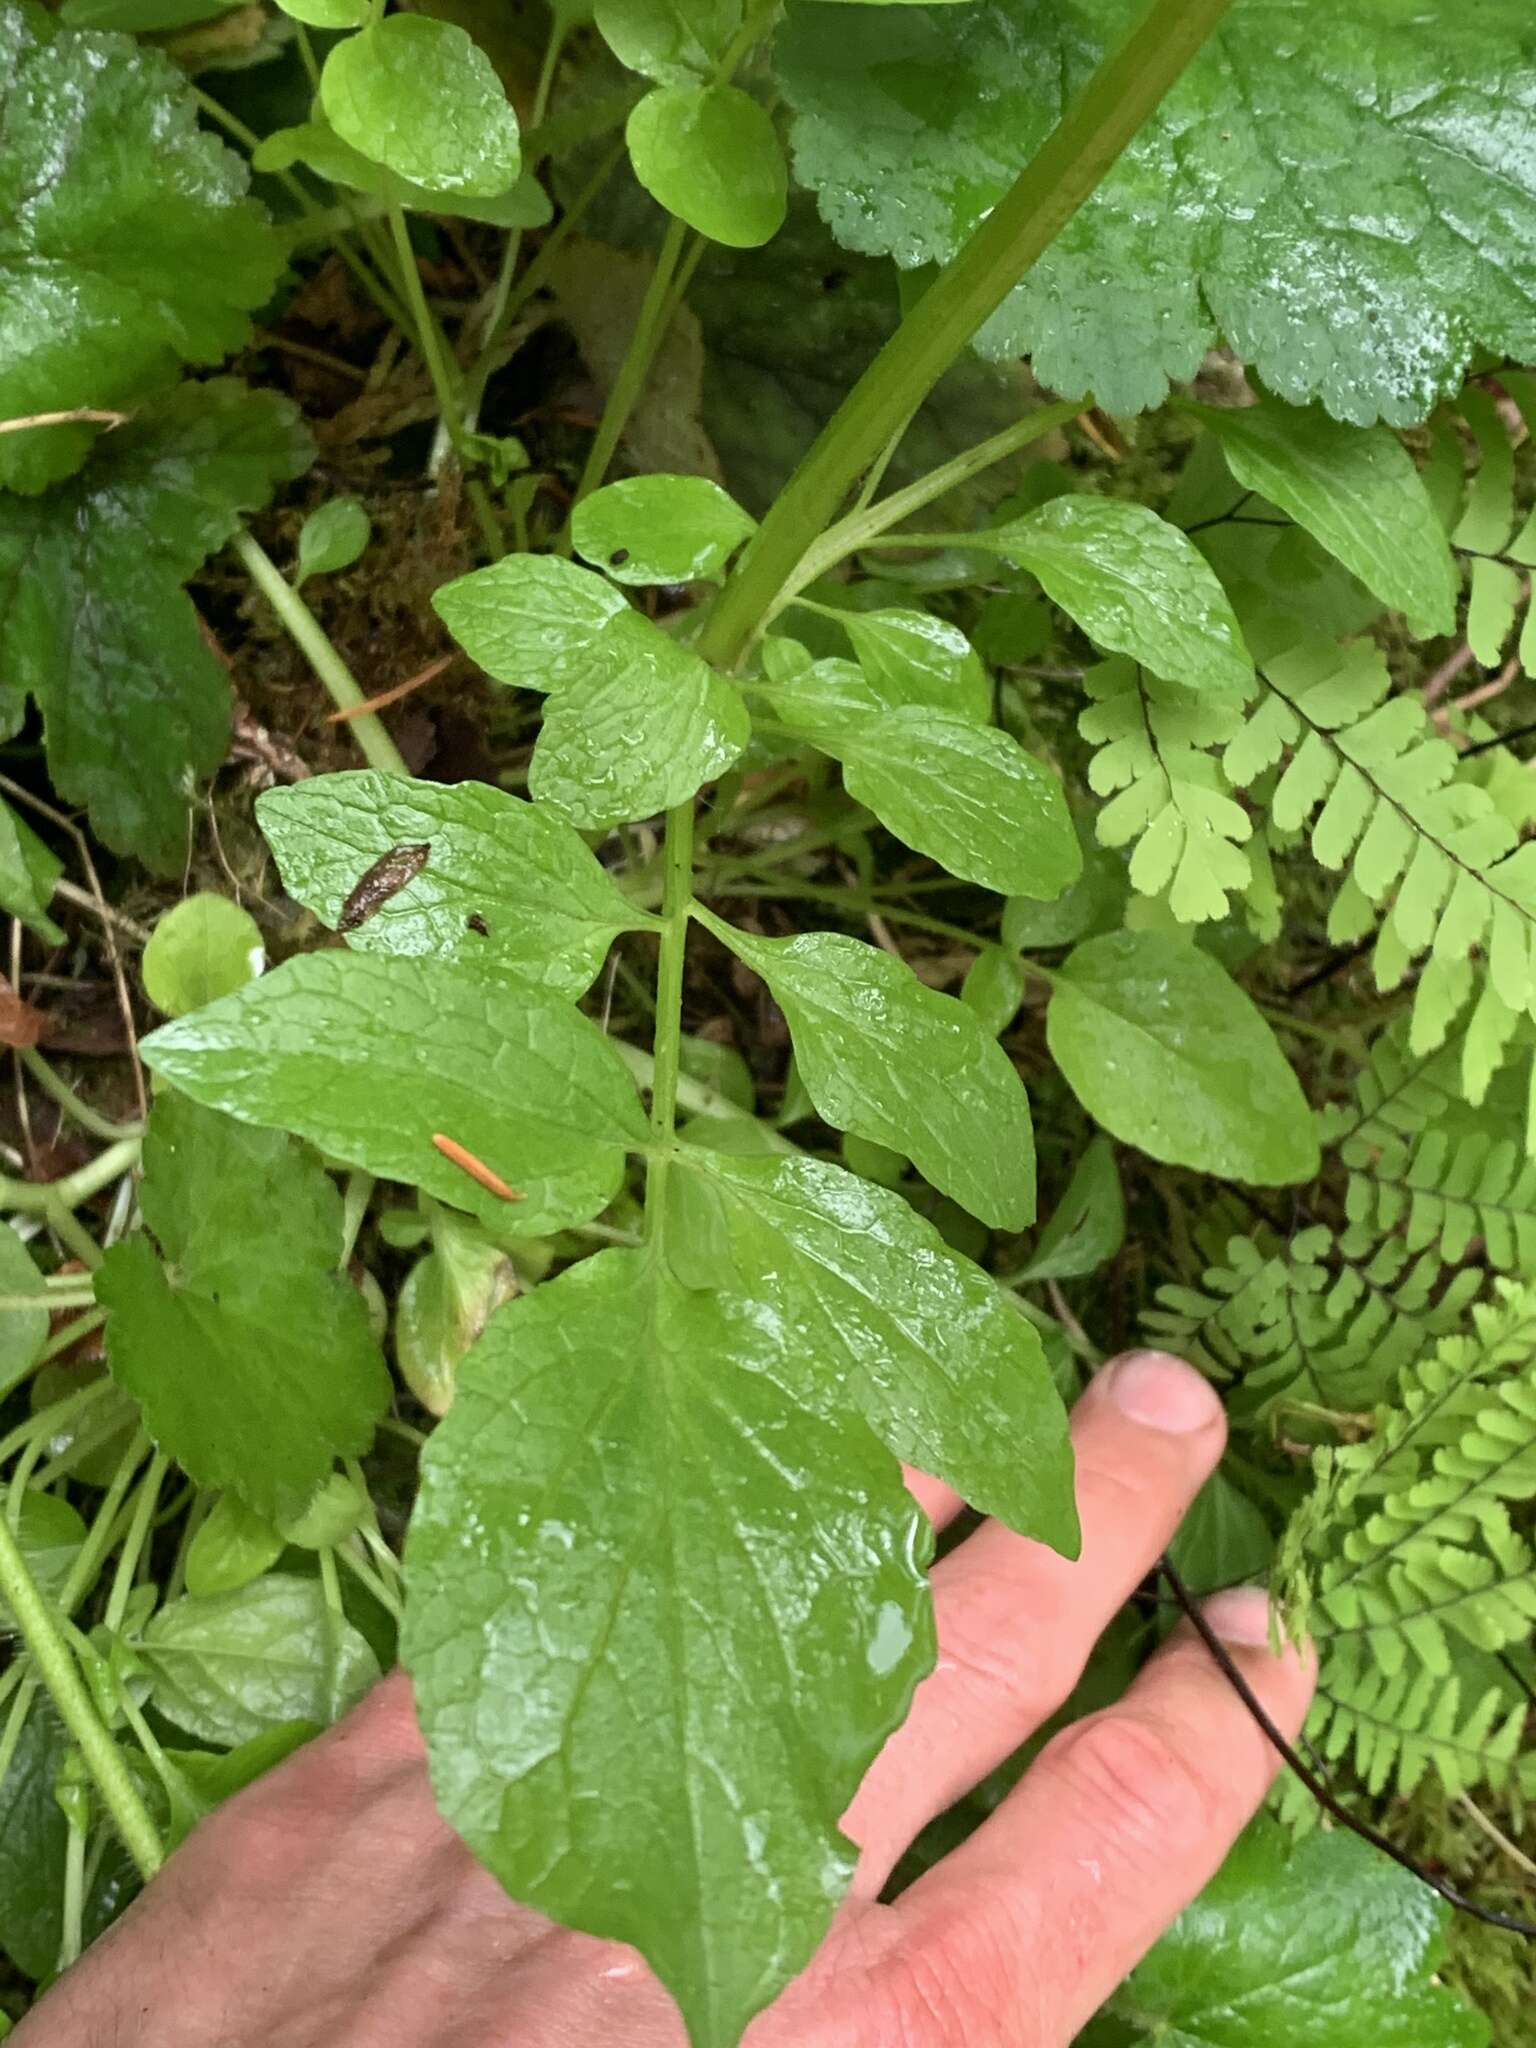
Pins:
<point x="1240" y="1616"/>
<point x="1161" y="1392"/>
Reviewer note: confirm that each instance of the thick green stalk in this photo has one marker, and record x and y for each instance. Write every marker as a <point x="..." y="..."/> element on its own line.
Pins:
<point x="47" y="1197"/>
<point x="55" y="1085"/>
<point x="56" y="1667"/>
<point x="1122" y="93"/>
<point x="379" y="750"/>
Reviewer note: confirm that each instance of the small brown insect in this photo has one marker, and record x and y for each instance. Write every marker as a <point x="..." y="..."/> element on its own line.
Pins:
<point x="478" y="924"/>
<point x="387" y="877"/>
<point x="618" y="558"/>
<point x="476" y="1168"/>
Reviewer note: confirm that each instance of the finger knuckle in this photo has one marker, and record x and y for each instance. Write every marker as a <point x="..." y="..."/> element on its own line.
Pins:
<point x="1132" y="1781"/>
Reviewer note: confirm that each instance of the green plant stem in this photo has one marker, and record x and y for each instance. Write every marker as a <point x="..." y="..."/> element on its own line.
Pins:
<point x="73" y="1936"/>
<point x="61" y="1340"/>
<point x="1123" y="92"/>
<point x="312" y="215"/>
<point x="646" y="338"/>
<point x="865" y="525"/>
<point x="58" y="1671"/>
<point x="429" y="336"/>
<point x="48" y="1421"/>
<point x="676" y="901"/>
<point x="58" y="1088"/>
<point x="138" y="1533"/>
<point x="34" y="1198"/>
<point x="378" y="749"/>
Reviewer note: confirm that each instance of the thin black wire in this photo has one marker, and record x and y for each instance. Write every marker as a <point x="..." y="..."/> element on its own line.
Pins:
<point x="1314" y="1783"/>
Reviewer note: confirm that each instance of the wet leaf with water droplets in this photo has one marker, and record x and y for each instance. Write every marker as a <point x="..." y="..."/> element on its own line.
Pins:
<point x="903" y="1066"/>
<point x="1163" y="1048"/>
<point x="1347" y="195"/>
<point x="879" y="1310"/>
<point x="1134" y="583"/>
<point x="660" y="1618"/>
<point x="370" y="1057"/>
<point x="505" y="884"/>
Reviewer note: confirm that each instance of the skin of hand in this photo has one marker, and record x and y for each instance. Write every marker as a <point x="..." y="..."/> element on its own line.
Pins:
<point x="328" y="1906"/>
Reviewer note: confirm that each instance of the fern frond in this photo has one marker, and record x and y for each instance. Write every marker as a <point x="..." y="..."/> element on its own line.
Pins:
<point x="1167" y="793"/>
<point x="1406" y="1550"/>
<point x="1494" y="541"/>
<point x="1325" y="1321"/>
<point x="1377" y="792"/>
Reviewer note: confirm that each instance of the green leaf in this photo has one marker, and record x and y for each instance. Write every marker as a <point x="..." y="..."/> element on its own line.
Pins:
<point x="327" y="13"/>
<point x="1223" y="1539"/>
<point x="672" y="41"/>
<point x="660" y="529"/>
<point x="1324" y="1945"/>
<point x="369" y="1058"/>
<point x="28" y="873"/>
<point x="95" y="626"/>
<point x="711" y="155"/>
<point x="50" y="1533"/>
<point x="422" y="98"/>
<point x="947" y="1369"/>
<point x="248" y="1352"/>
<point x="23" y="1331"/>
<point x="1355" y="490"/>
<point x="994" y="988"/>
<point x="637" y="723"/>
<point x="111" y="197"/>
<point x="330" y="1517"/>
<point x="203" y="948"/>
<point x="217" y="1776"/>
<point x="1087" y="1226"/>
<point x="966" y="795"/>
<point x="910" y="658"/>
<point x="233" y="1546"/>
<point x="332" y="538"/>
<point x="524" y="204"/>
<point x="902" y="1065"/>
<point x="1134" y="583"/>
<point x="446" y="1301"/>
<point x="33" y="1844"/>
<point x="661" y="1617"/>
<point x="504" y="883"/>
<point x="1340" y="194"/>
<point x="534" y="620"/>
<point x="246" y="1664"/>
<point x="1164" y="1050"/>
<point x="643" y="732"/>
<point x="142" y="17"/>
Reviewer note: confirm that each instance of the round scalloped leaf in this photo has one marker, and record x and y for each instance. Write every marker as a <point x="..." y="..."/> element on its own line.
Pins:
<point x="1348" y="195"/>
<point x="422" y="98"/>
<point x="710" y="154"/>
<point x="112" y="202"/>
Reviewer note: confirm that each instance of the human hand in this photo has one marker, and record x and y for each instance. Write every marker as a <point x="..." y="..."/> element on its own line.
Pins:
<point x="330" y="1907"/>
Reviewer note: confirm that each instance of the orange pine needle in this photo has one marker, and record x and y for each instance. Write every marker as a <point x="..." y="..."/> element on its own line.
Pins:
<point x="476" y="1168"/>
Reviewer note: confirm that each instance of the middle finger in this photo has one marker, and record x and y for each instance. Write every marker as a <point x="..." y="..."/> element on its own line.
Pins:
<point x="1016" y="1622"/>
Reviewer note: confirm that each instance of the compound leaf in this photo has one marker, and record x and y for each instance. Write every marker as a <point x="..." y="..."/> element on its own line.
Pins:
<point x="1344" y="195"/>
<point x="504" y="882"/>
<point x="370" y="1058"/>
<point x="1165" y="1051"/>
<point x="249" y="1354"/>
<point x="661" y="1617"/>
<point x="93" y="621"/>
<point x="111" y="197"/>
<point x="897" y="1063"/>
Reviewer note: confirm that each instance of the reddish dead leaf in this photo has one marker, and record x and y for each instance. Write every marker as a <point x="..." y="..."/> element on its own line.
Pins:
<point x="20" y="1023"/>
